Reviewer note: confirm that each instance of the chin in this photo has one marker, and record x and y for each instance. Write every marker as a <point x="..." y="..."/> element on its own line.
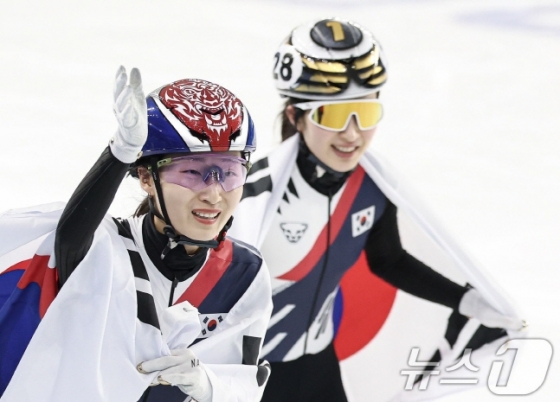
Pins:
<point x="344" y="167"/>
<point x="203" y="234"/>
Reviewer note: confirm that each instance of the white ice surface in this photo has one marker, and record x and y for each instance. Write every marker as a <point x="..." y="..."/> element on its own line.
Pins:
<point x="472" y="110"/>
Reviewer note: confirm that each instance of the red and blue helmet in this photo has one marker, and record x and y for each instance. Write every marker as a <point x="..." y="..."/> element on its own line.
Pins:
<point x="194" y="115"/>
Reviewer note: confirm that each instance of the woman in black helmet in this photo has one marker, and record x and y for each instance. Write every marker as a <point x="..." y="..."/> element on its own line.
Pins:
<point x="160" y="306"/>
<point x="325" y="209"/>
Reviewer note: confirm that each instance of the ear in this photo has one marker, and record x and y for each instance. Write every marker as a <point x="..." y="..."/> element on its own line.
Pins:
<point x="291" y="115"/>
<point x="146" y="181"/>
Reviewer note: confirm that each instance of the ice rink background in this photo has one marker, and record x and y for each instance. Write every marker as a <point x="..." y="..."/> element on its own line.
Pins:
<point x="472" y="110"/>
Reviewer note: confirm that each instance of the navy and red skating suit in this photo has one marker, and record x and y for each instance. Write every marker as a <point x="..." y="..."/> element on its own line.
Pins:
<point x="324" y="224"/>
<point x="305" y="285"/>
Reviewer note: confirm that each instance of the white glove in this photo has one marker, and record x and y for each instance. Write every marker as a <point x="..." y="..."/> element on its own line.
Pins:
<point x="182" y="369"/>
<point x="132" y="116"/>
<point x="473" y="305"/>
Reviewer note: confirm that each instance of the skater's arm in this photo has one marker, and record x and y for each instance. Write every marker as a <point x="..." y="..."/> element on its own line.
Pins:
<point x="84" y="212"/>
<point x="388" y="260"/>
<point x="91" y="200"/>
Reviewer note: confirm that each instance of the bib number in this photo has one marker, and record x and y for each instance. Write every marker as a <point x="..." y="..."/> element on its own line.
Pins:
<point x="287" y="67"/>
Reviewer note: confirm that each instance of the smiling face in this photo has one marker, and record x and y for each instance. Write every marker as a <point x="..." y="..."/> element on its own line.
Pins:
<point x="339" y="150"/>
<point x="199" y="215"/>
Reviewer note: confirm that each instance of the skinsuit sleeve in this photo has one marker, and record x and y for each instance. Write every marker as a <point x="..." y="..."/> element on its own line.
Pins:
<point x="388" y="260"/>
<point x="85" y="211"/>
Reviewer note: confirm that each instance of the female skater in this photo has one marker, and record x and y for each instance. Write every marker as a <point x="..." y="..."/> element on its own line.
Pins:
<point x="321" y="207"/>
<point x="160" y="306"/>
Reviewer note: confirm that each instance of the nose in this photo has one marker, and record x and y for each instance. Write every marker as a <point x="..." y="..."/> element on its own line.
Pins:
<point x="352" y="132"/>
<point x="211" y="194"/>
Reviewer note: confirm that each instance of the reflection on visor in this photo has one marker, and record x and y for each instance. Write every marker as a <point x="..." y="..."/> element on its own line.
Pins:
<point x="335" y="116"/>
<point x="199" y="171"/>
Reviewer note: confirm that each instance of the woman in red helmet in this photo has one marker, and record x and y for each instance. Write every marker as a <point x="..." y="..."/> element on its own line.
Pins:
<point x="181" y="309"/>
<point x="324" y="207"/>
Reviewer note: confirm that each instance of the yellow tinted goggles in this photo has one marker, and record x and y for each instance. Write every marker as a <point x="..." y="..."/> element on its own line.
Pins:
<point x="335" y="115"/>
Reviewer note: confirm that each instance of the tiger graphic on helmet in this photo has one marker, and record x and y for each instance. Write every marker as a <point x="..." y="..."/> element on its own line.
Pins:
<point x="211" y="112"/>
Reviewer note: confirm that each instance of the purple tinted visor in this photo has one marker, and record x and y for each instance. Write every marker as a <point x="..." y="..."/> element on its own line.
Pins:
<point x="197" y="172"/>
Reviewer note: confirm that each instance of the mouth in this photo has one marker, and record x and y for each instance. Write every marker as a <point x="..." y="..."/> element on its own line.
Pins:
<point x="345" y="151"/>
<point x="206" y="217"/>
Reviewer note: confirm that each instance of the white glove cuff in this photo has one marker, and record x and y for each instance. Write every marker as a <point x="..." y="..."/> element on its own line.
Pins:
<point x="201" y="391"/>
<point x="122" y="150"/>
<point x="473" y="305"/>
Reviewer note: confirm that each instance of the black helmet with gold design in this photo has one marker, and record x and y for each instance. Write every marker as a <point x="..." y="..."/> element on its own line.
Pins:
<point x="329" y="59"/>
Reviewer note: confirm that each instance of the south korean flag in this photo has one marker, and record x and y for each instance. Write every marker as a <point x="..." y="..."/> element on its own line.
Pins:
<point x="362" y="221"/>
<point x="209" y="323"/>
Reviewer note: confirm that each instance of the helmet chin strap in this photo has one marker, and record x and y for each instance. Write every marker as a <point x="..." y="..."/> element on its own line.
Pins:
<point x="174" y="238"/>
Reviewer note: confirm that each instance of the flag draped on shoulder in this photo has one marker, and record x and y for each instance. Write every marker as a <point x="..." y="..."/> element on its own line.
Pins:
<point x="85" y="341"/>
<point x="391" y="345"/>
<point x="78" y="345"/>
<point x="28" y="284"/>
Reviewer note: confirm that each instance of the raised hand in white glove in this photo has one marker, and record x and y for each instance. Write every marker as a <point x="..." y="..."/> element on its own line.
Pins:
<point x="473" y="305"/>
<point x="181" y="369"/>
<point x="132" y="116"/>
